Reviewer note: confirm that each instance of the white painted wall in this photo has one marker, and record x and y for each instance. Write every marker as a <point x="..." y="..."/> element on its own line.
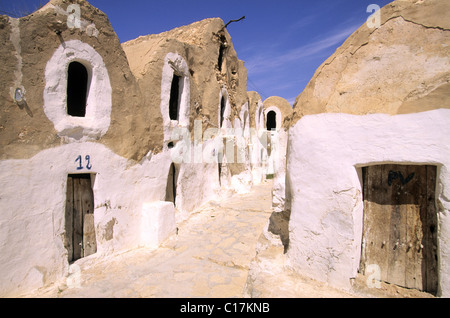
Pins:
<point x="33" y="200"/>
<point x="127" y="198"/>
<point x="278" y="159"/>
<point x="157" y="223"/>
<point x="276" y="162"/>
<point x="258" y="153"/>
<point x="98" y="105"/>
<point x="325" y="154"/>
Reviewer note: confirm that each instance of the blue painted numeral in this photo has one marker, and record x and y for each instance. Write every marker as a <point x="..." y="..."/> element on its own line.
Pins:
<point x="80" y="162"/>
<point x="88" y="159"/>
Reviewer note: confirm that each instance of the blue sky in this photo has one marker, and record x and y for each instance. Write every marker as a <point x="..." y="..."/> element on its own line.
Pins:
<point x="282" y="42"/>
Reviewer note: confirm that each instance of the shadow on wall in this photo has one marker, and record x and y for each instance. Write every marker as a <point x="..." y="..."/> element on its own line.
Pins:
<point x="279" y="225"/>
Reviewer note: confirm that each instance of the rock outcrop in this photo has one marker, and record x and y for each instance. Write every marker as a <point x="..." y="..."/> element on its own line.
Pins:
<point x="403" y="66"/>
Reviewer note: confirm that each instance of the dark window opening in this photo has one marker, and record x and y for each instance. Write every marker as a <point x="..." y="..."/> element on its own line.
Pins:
<point x="222" y="110"/>
<point x="77" y="87"/>
<point x="271" y="123"/>
<point x="219" y="166"/>
<point x="221" y="54"/>
<point x="174" y="102"/>
<point x="171" y="187"/>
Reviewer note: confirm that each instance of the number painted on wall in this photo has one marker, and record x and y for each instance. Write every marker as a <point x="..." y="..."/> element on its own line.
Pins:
<point x="87" y="162"/>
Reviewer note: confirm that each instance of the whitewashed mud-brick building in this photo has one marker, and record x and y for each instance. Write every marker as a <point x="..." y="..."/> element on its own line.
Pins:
<point x="369" y="155"/>
<point x="106" y="146"/>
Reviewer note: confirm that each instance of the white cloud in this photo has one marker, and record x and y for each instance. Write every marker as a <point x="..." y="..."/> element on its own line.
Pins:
<point x="271" y="60"/>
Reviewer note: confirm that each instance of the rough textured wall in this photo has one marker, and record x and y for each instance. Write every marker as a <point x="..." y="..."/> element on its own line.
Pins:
<point x="199" y="45"/>
<point x="401" y="67"/>
<point x="202" y="55"/>
<point x="30" y="42"/>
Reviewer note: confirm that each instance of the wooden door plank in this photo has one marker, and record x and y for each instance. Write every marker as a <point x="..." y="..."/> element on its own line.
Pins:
<point x="397" y="226"/>
<point x="77" y="220"/>
<point x="430" y="232"/>
<point x="363" y="262"/>
<point x="382" y="195"/>
<point x="413" y="266"/>
<point x="87" y="201"/>
<point x="409" y="190"/>
<point x="89" y="239"/>
<point x="376" y="233"/>
<point x="69" y="219"/>
<point x="415" y="254"/>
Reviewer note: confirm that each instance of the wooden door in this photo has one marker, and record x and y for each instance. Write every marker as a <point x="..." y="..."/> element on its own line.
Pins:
<point x="79" y="219"/>
<point x="400" y="224"/>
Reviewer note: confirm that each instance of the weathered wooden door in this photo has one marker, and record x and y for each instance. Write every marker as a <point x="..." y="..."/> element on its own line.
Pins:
<point x="80" y="230"/>
<point x="400" y="224"/>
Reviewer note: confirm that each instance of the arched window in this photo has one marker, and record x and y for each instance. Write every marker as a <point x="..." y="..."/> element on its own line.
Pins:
<point x="219" y="165"/>
<point x="77" y="93"/>
<point x="174" y="101"/>
<point x="77" y="89"/>
<point x="171" y="187"/>
<point x="271" y="123"/>
<point x="221" y="55"/>
<point x="222" y="110"/>
<point x="175" y="96"/>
